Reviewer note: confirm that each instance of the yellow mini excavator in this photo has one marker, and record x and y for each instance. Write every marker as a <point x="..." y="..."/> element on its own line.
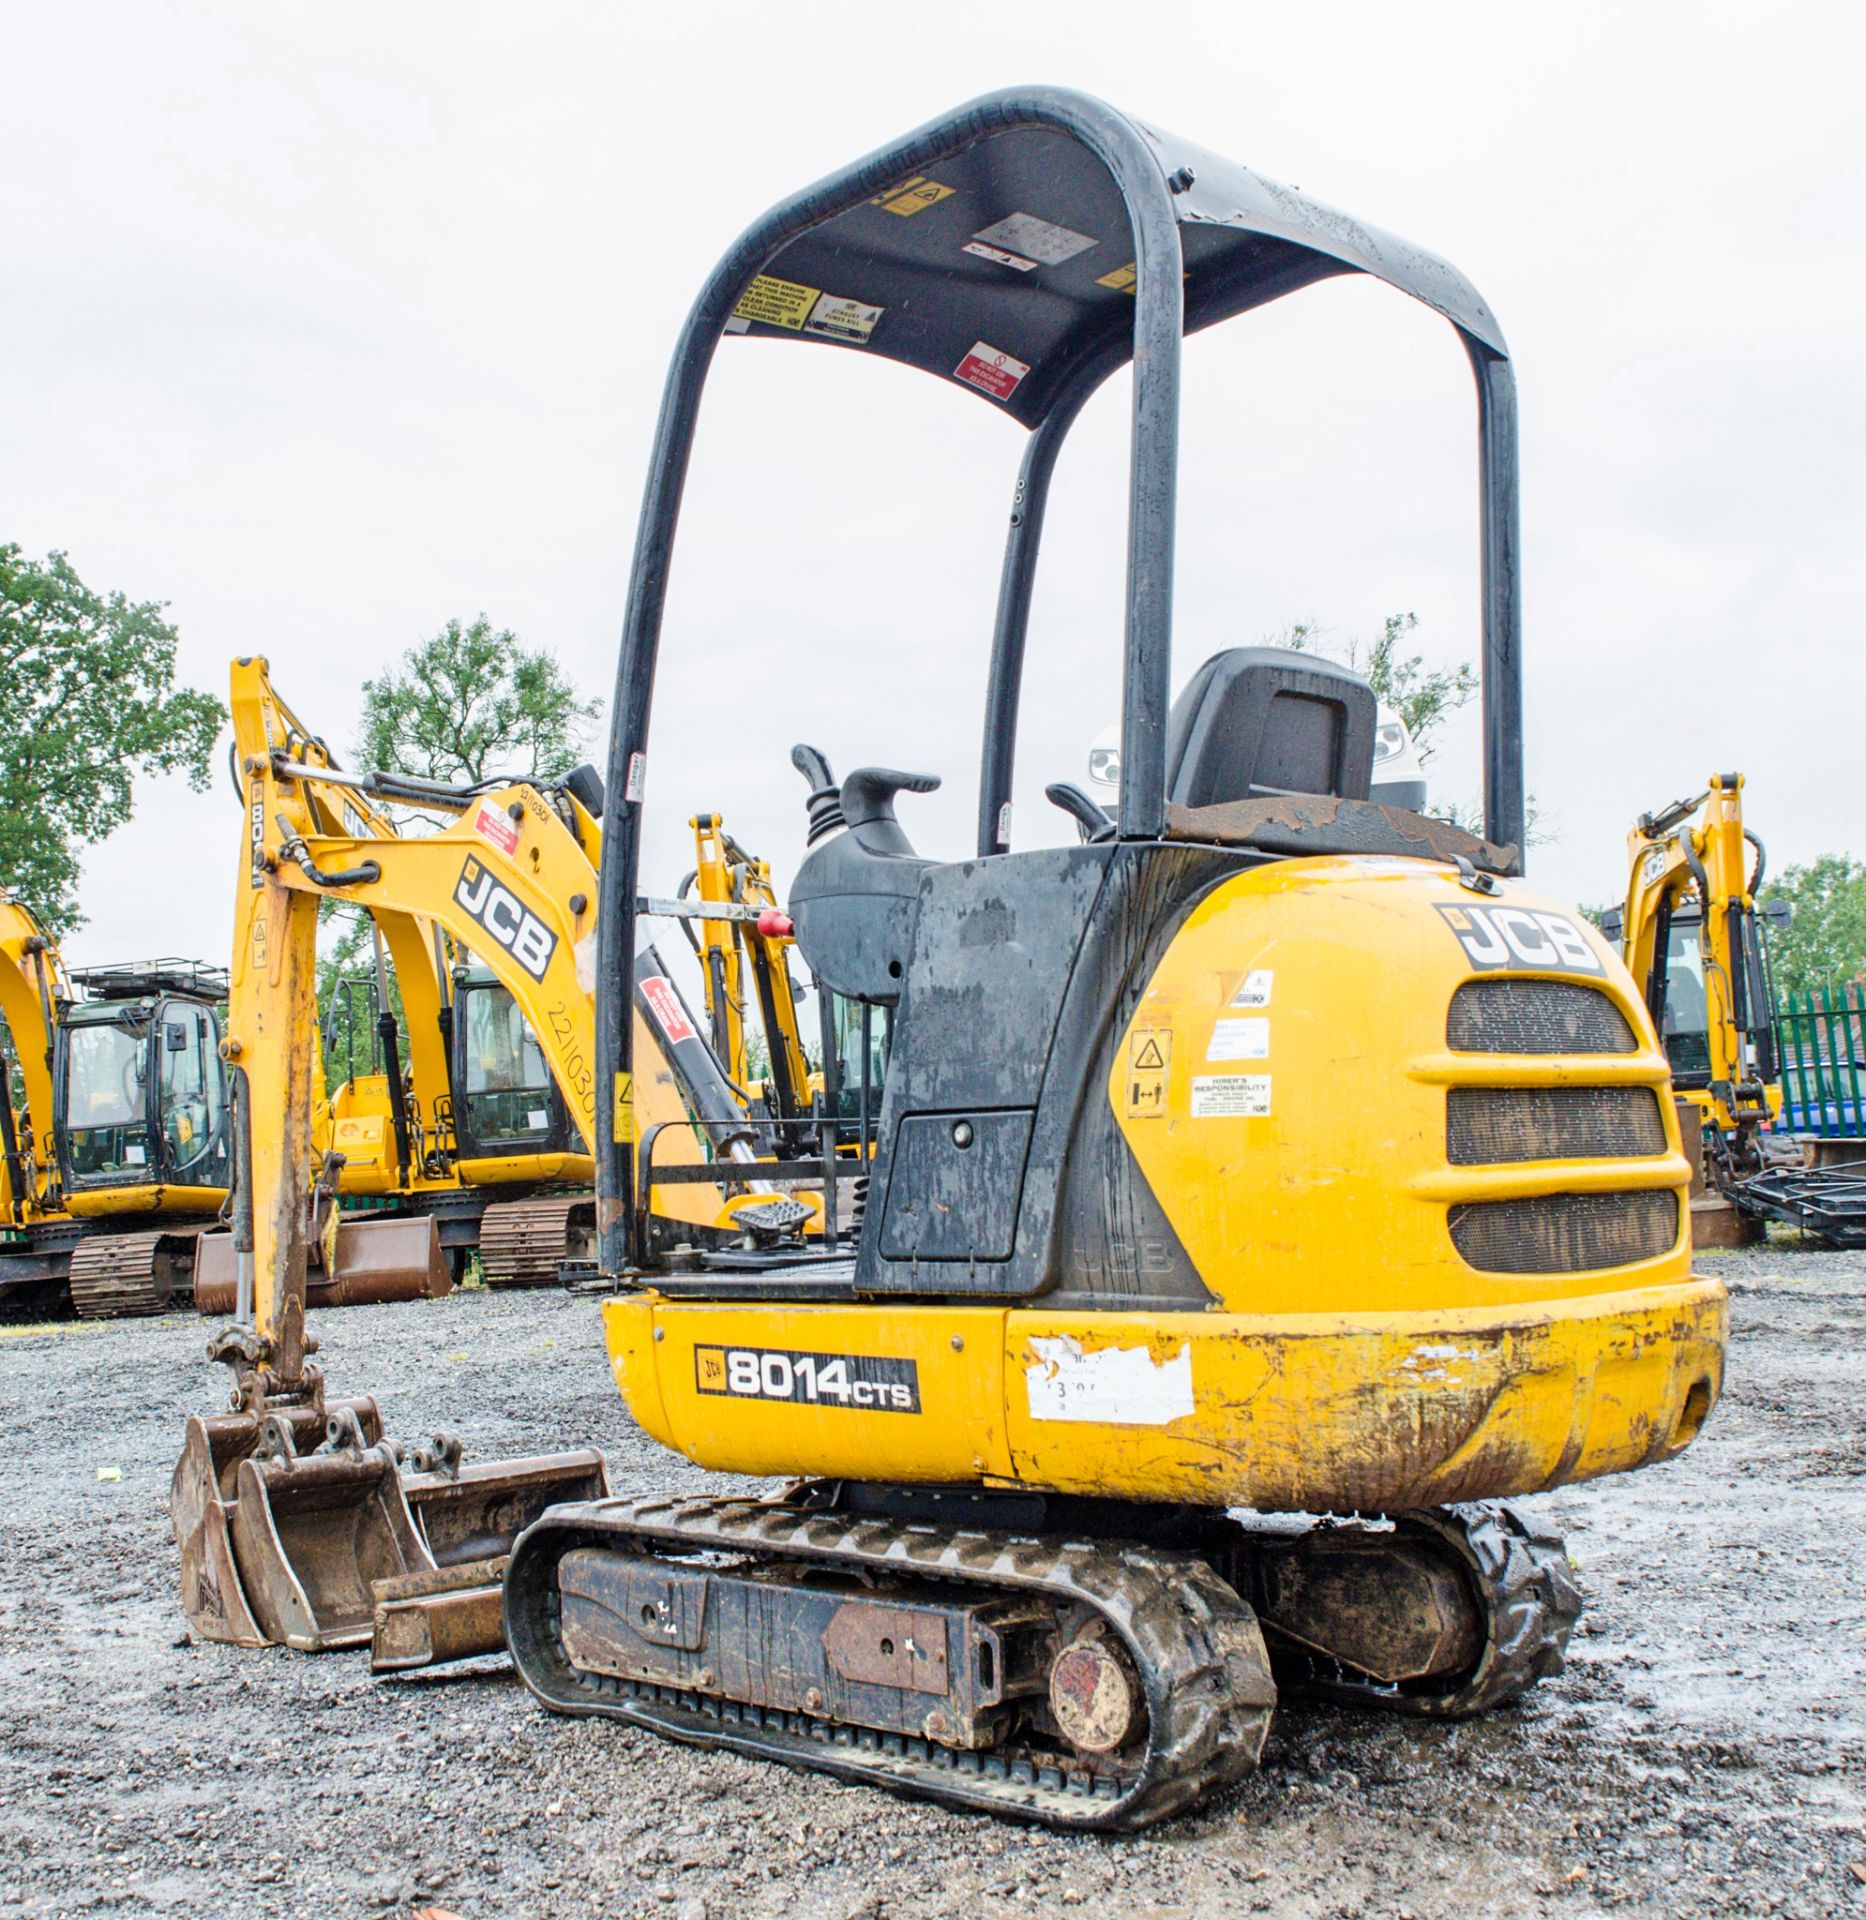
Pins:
<point x="1695" y="941"/>
<point x="1270" y="1149"/>
<point x="117" y="1158"/>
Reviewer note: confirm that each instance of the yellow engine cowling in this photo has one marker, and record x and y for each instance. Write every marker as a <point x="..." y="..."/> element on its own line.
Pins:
<point x="1416" y="1143"/>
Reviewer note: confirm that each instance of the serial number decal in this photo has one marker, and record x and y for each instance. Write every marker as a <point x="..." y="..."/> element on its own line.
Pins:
<point x="1495" y="937"/>
<point x="874" y="1382"/>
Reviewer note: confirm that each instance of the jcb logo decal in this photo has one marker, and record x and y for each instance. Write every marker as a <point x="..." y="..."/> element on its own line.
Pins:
<point x="510" y="922"/>
<point x="1495" y="937"/>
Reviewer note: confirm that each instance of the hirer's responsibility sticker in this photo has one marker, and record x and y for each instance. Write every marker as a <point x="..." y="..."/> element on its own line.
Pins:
<point x="1231" y="1096"/>
<point x="873" y="1383"/>
<point x="1035" y="242"/>
<point x="669" y="1015"/>
<point x="1240" y="1040"/>
<point x="492" y="823"/>
<point x="836" y="317"/>
<point x="991" y="371"/>
<point x="1254" y="988"/>
<point x="913" y="196"/>
<point x="1521" y="937"/>
<point x="1114" y="1386"/>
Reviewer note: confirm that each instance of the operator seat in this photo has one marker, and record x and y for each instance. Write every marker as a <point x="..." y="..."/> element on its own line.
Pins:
<point x="1257" y="722"/>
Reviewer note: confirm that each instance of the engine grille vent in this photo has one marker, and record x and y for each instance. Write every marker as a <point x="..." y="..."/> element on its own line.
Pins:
<point x="1488" y="1125"/>
<point x="1535" y="1016"/>
<point x="1566" y="1232"/>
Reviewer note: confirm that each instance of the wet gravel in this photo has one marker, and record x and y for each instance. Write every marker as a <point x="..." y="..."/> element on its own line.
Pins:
<point x="1704" y="1753"/>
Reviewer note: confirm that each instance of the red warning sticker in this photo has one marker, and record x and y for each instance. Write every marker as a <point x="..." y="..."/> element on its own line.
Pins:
<point x="669" y="1015"/>
<point x="491" y="823"/>
<point x="990" y="371"/>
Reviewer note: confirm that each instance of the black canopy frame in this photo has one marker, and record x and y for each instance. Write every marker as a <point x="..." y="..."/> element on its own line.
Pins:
<point x="1209" y="239"/>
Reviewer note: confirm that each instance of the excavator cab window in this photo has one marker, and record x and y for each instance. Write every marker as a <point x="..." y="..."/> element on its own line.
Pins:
<point x="505" y="1099"/>
<point x="193" y="1096"/>
<point x="1686" y="1019"/>
<point x="104" y="1084"/>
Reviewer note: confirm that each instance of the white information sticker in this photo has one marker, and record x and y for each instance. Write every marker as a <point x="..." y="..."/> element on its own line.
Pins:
<point x="1004" y="824"/>
<point x="983" y="252"/>
<point x="838" y="318"/>
<point x="1230" y="1096"/>
<point x="1240" y="1040"/>
<point x="635" y="787"/>
<point x="537" y="1120"/>
<point x="1034" y="239"/>
<point x="1254" y="989"/>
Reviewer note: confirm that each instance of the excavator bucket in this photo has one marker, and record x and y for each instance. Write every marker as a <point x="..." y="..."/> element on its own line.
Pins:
<point x="284" y="1545"/>
<point x="377" y="1261"/>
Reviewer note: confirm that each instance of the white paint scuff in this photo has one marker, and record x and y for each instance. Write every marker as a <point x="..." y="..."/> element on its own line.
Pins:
<point x="1117" y="1386"/>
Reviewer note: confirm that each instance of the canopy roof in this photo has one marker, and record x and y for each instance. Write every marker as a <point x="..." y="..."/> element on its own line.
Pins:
<point x="1006" y="266"/>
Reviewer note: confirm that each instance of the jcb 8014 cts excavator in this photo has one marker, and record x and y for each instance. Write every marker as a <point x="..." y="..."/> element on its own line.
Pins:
<point x="1268" y="1149"/>
<point x="1695" y="941"/>
<point x="118" y="1158"/>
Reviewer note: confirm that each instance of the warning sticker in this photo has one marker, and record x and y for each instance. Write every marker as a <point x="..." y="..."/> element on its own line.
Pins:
<point x="1240" y="1040"/>
<point x="1254" y="989"/>
<point x="635" y="787"/>
<point x="625" y="1109"/>
<point x="1230" y="1096"/>
<point x="998" y="254"/>
<point x="1149" y="1054"/>
<point x="1121" y="280"/>
<point x="990" y="371"/>
<point x="776" y="303"/>
<point x="669" y="1015"/>
<point x="913" y="196"/>
<point x="836" y="317"/>
<point x="1033" y="239"/>
<point x="491" y="824"/>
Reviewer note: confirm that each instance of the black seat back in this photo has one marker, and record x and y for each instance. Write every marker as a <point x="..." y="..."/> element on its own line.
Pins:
<point x="1254" y="722"/>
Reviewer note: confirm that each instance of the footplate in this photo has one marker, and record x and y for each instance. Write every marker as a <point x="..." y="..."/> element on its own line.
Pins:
<point x="1083" y="1686"/>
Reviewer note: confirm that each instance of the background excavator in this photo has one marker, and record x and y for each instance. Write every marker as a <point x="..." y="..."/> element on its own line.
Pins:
<point x="116" y="1153"/>
<point x="1695" y="941"/>
<point x="299" y="1522"/>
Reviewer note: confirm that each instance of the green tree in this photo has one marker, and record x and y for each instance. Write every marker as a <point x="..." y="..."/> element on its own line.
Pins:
<point x="1825" y="943"/>
<point x="472" y="704"/>
<point x="90" y="704"/>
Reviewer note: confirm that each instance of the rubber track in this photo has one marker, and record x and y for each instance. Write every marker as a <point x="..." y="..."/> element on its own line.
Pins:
<point x="524" y="1243"/>
<point x="1521" y="1580"/>
<point x="1196" y="1645"/>
<point x="113" y="1276"/>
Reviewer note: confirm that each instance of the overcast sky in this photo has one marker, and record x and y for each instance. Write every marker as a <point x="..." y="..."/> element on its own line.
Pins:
<point x="324" y="324"/>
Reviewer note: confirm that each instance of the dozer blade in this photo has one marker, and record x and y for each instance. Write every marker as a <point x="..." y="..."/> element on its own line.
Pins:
<point x="378" y="1261"/>
<point x="469" y="1519"/>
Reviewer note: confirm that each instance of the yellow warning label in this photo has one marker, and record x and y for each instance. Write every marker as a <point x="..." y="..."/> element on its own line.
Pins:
<point x="913" y="196"/>
<point x="1149" y="1052"/>
<point x="1121" y="279"/>
<point x="625" y="1109"/>
<point x="776" y="303"/>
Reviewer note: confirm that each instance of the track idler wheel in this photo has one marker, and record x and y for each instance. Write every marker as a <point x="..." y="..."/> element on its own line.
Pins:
<point x="1442" y="1613"/>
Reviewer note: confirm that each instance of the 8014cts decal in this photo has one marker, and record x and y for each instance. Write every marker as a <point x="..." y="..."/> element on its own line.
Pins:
<point x="875" y="1383"/>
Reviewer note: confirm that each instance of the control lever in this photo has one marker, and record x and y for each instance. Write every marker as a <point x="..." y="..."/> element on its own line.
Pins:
<point x="868" y="806"/>
<point x="825" y="802"/>
<point x="1090" y="816"/>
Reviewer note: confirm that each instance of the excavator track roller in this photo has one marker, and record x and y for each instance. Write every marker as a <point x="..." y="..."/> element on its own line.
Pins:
<point x="120" y="1276"/>
<point x="524" y="1243"/>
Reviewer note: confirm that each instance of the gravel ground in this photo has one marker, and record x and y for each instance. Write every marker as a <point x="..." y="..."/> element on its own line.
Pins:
<point x="1704" y="1753"/>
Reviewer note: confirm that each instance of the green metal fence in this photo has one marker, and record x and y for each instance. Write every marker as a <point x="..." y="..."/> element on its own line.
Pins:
<point x="1822" y="1033"/>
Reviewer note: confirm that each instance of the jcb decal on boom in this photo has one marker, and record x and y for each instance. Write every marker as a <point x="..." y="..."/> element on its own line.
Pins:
<point x="1496" y="937"/>
<point x="510" y="922"/>
<point x="875" y="1383"/>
